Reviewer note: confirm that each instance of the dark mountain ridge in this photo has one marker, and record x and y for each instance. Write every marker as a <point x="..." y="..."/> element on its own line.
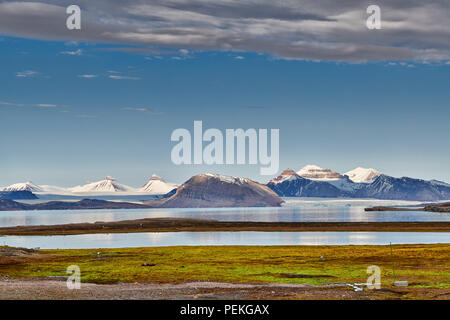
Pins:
<point x="19" y="195"/>
<point x="290" y="184"/>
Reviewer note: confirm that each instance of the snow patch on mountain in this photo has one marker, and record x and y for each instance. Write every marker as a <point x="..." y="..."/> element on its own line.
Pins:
<point x="156" y="185"/>
<point x="108" y="184"/>
<point x="440" y="183"/>
<point x="363" y="175"/>
<point x="226" y="179"/>
<point x="24" y="186"/>
<point x="286" y="175"/>
<point x="344" y="184"/>
<point x="316" y="173"/>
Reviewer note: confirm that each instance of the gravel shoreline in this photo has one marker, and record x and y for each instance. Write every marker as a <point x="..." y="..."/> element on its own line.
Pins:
<point x="44" y="289"/>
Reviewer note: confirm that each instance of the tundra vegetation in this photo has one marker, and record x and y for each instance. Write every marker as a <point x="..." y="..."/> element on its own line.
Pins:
<point x="425" y="267"/>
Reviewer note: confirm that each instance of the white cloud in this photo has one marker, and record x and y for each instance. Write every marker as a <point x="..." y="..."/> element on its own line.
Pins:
<point x="78" y="52"/>
<point x="86" y="116"/>
<point x="49" y="105"/>
<point x="4" y="103"/>
<point x="310" y="30"/>
<point x="184" y="52"/>
<point x="153" y="57"/>
<point x="141" y="109"/>
<point x="87" y="76"/>
<point x="46" y="105"/>
<point x="71" y="43"/>
<point x="26" y="74"/>
<point x="40" y="105"/>
<point x="116" y="77"/>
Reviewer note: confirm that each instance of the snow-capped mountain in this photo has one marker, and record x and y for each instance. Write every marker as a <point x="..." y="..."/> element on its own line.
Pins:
<point x="316" y="173"/>
<point x="157" y="185"/>
<point x="310" y="181"/>
<point x="290" y="184"/>
<point x="345" y="184"/>
<point x="108" y="184"/>
<point x="286" y="175"/>
<point x="440" y="183"/>
<point x="313" y="172"/>
<point x="214" y="190"/>
<point x="225" y="179"/>
<point x="24" y="186"/>
<point x="363" y="175"/>
<point x="386" y="187"/>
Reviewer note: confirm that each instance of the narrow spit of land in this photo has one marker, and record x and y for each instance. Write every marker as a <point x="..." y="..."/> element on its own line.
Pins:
<point x="442" y="207"/>
<point x="226" y="272"/>
<point x="185" y="224"/>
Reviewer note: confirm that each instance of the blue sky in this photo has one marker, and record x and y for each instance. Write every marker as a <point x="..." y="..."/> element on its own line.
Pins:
<point x="337" y="115"/>
<point x="78" y="105"/>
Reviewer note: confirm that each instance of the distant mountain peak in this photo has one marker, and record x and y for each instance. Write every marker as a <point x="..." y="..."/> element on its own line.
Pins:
<point x="216" y="190"/>
<point x="314" y="172"/>
<point x="288" y="172"/>
<point x="360" y="183"/>
<point x="363" y="175"/>
<point x="310" y="167"/>
<point x="24" y="186"/>
<point x="108" y="184"/>
<point x="157" y="185"/>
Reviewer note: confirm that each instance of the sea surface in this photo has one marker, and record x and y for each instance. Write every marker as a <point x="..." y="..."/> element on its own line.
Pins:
<point x="294" y="210"/>
<point x="164" y="239"/>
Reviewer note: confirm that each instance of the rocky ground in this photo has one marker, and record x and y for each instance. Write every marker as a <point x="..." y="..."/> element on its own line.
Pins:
<point x="35" y="288"/>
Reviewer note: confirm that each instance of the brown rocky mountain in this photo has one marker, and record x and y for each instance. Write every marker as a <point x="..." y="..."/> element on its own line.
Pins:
<point x="213" y="190"/>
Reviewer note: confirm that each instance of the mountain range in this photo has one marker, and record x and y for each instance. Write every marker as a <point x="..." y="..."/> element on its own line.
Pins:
<point x="155" y="185"/>
<point x="209" y="190"/>
<point x="201" y="191"/>
<point x="309" y="181"/>
<point x="313" y="181"/>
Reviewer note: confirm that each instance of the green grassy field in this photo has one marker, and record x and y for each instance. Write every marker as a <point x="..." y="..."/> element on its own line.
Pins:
<point x="422" y="265"/>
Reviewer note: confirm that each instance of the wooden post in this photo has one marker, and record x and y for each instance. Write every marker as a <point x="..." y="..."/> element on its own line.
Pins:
<point x="392" y="256"/>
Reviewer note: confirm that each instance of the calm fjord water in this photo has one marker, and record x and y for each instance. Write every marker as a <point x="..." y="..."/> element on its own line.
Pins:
<point x="295" y="210"/>
<point x="251" y="238"/>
